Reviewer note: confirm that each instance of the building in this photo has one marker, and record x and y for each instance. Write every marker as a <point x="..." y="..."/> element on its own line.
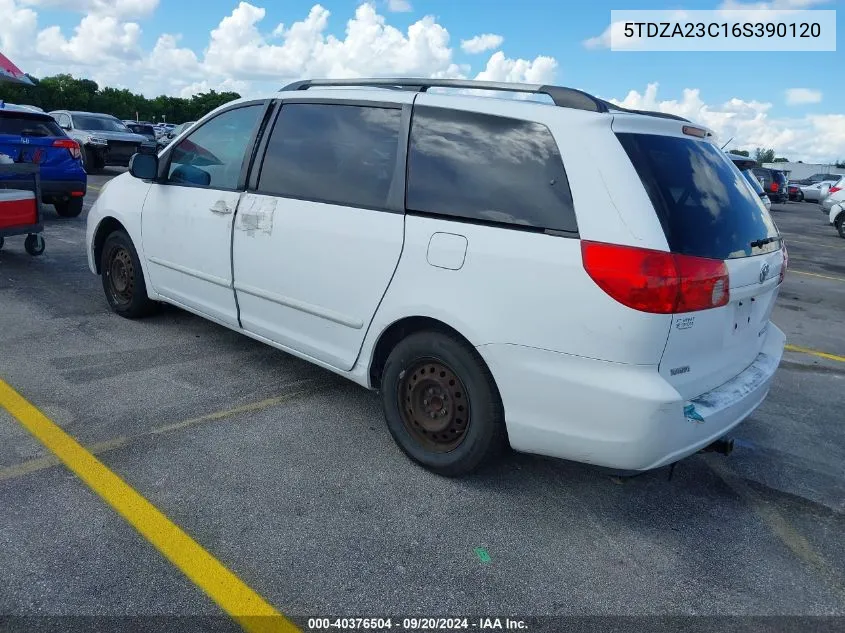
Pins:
<point x="799" y="171"/>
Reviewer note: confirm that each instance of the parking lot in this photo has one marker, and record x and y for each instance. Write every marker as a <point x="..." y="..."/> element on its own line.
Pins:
<point x="288" y="476"/>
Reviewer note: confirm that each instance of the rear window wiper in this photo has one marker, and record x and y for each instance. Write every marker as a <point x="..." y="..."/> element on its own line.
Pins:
<point x="763" y="241"/>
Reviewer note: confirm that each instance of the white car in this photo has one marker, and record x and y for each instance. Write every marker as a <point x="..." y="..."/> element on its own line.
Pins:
<point x="837" y="217"/>
<point x="817" y="191"/>
<point x="835" y="195"/>
<point x="571" y="278"/>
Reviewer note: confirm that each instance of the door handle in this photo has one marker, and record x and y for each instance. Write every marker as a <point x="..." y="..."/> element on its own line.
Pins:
<point x="221" y="208"/>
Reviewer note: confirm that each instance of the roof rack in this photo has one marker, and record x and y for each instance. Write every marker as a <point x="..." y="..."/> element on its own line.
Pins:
<point x="661" y="115"/>
<point x="563" y="97"/>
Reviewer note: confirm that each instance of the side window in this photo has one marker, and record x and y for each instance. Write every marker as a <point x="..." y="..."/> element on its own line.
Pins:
<point x="483" y="167"/>
<point x="212" y="156"/>
<point x="64" y="120"/>
<point x="339" y="154"/>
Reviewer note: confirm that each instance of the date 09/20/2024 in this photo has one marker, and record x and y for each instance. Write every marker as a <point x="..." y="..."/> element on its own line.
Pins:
<point x="416" y="624"/>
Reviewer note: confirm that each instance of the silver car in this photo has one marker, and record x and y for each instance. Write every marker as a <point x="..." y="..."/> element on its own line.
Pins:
<point x="835" y="195"/>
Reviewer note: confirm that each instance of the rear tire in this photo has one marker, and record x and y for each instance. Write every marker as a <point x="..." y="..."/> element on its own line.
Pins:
<point x="69" y="208"/>
<point x="123" y="278"/>
<point x="441" y="404"/>
<point x="839" y="223"/>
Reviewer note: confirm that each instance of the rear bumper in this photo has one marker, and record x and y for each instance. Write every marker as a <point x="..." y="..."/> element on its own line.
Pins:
<point x="619" y="416"/>
<point x="51" y="189"/>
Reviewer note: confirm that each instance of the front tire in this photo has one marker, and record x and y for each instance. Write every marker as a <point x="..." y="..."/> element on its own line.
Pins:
<point x="441" y="404"/>
<point x="123" y="278"/>
<point x="839" y="223"/>
<point x="90" y="161"/>
<point x="69" y="208"/>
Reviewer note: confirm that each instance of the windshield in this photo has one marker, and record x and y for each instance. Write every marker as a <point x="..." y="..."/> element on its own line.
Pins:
<point x="146" y="130"/>
<point x="705" y="207"/>
<point x="98" y="123"/>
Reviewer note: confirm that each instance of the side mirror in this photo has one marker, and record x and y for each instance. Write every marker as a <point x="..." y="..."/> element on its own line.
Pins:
<point x="144" y="166"/>
<point x="65" y="126"/>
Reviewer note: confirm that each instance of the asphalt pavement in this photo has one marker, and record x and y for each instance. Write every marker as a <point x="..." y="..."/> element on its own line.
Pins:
<point x="289" y="477"/>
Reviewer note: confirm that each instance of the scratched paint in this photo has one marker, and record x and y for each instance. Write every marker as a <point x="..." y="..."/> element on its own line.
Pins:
<point x="736" y="389"/>
<point x="257" y="216"/>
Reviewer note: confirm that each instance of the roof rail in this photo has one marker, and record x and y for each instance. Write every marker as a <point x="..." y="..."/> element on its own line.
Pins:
<point x="661" y="115"/>
<point x="563" y="97"/>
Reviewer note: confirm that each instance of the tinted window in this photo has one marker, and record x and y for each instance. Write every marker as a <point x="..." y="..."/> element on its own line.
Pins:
<point x="23" y="125"/>
<point x="100" y="123"/>
<point x="145" y="130"/>
<point x="489" y="168"/>
<point x="212" y="155"/>
<point x="332" y="153"/>
<point x="703" y="204"/>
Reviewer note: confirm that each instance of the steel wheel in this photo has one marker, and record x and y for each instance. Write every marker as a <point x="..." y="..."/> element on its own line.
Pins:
<point x="121" y="274"/>
<point x="434" y="406"/>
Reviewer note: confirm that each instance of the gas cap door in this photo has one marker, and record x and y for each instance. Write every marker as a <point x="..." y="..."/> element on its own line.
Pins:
<point x="447" y="250"/>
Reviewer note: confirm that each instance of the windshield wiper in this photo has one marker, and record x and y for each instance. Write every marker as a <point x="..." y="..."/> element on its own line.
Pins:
<point x="762" y="242"/>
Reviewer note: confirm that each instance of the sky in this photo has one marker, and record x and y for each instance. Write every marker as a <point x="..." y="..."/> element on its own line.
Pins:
<point x="793" y="102"/>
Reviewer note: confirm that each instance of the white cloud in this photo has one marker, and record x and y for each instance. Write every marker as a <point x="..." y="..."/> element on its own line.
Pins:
<point x="399" y="6"/>
<point x="500" y="68"/>
<point x="811" y="138"/>
<point x="801" y="96"/>
<point x="116" y="8"/>
<point x="481" y="43"/>
<point x="97" y="39"/>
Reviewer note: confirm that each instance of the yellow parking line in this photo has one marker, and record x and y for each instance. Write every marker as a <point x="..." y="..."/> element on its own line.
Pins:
<point x="94" y="187"/>
<point x="248" y="608"/>
<point x="813" y="352"/>
<point x="803" y="272"/>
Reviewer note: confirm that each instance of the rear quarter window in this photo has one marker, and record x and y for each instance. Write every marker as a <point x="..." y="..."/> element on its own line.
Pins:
<point x="702" y="200"/>
<point x="487" y="168"/>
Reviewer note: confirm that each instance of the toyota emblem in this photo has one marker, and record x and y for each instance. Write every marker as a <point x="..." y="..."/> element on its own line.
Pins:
<point x="764" y="272"/>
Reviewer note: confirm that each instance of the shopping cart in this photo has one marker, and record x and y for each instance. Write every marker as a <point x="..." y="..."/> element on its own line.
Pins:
<point x="20" y="209"/>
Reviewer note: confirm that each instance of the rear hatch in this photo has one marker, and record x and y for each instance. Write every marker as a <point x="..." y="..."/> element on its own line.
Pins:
<point x="707" y="210"/>
<point x="36" y="138"/>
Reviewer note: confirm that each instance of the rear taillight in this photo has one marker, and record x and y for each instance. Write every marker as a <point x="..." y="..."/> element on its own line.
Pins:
<point x="834" y="189"/>
<point x="656" y="281"/>
<point x="773" y="186"/>
<point x="785" y="263"/>
<point x="70" y="145"/>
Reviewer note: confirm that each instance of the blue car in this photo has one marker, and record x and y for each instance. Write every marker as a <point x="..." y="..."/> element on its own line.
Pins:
<point x="30" y="136"/>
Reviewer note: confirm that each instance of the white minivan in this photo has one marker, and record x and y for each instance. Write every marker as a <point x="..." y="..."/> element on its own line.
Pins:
<point x="568" y="278"/>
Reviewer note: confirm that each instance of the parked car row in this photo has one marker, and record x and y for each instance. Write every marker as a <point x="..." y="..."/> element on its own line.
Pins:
<point x="68" y="145"/>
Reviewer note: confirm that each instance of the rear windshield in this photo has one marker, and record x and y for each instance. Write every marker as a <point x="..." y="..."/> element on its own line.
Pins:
<point x="752" y="180"/>
<point x="100" y="123"/>
<point x="703" y="203"/>
<point x="25" y="125"/>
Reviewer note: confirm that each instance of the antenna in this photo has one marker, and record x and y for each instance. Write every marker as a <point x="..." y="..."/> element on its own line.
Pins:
<point x="728" y="143"/>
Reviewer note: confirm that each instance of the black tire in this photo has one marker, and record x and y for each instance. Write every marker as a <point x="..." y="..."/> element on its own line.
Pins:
<point x="34" y="244"/>
<point x="90" y="161"/>
<point x="839" y="223"/>
<point x="69" y="208"/>
<point x="466" y="443"/>
<point x="2" y="241"/>
<point x="123" y="278"/>
<point x="800" y="196"/>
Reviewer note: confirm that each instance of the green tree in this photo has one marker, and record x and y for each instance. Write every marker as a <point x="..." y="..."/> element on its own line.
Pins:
<point x="780" y="159"/>
<point x="764" y="155"/>
<point x="741" y="152"/>
<point x="64" y="92"/>
<point x="840" y="164"/>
